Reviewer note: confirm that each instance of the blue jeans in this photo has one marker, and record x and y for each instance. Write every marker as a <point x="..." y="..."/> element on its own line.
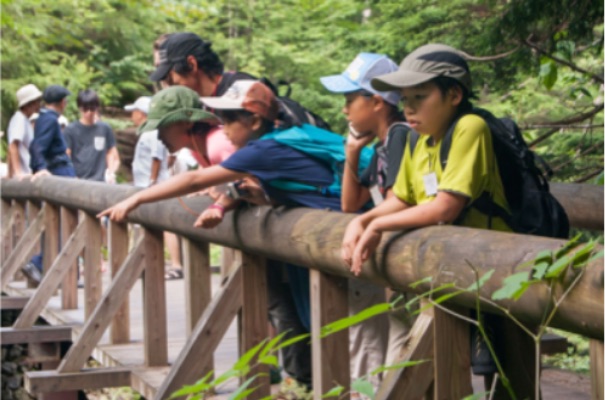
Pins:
<point x="66" y="170"/>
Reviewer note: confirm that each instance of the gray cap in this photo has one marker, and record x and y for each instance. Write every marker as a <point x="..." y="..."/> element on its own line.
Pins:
<point x="425" y="63"/>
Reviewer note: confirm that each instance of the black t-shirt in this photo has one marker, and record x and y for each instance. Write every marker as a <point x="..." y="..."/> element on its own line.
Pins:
<point x="228" y="79"/>
<point x="384" y="165"/>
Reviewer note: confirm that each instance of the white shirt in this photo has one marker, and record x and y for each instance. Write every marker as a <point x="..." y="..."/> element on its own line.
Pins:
<point x="19" y="128"/>
<point x="149" y="147"/>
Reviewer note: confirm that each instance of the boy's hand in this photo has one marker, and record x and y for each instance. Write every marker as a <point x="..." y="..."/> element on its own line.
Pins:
<point x="40" y="174"/>
<point x="119" y="212"/>
<point x="254" y="192"/>
<point x="351" y="237"/>
<point x="365" y="248"/>
<point x="209" y="218"/>
<point x="354" y="143"/>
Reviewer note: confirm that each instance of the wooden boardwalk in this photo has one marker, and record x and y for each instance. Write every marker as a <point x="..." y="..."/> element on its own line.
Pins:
<point x="556" y="385"/>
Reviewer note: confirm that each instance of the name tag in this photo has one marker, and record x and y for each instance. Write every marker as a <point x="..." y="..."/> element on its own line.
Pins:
<point x="99" y="143"/>
<point x="430" y="184"/>
<point x="377" y="197"/>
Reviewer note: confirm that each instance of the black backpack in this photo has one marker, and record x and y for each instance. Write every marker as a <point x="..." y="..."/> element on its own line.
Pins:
<point x="294" y="110"/>
<point x="534" y="210"/>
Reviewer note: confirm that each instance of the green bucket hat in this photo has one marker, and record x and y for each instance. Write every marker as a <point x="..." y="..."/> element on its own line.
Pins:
<point x="176" y="104"/>
<point x="422" y="65"/>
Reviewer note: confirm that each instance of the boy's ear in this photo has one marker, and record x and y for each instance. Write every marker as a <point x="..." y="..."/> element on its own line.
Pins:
<point x="378" y="102"/>
<point x="192" y="63"/>
<point x="257" y="122"/>
<point x="456" y="95"/>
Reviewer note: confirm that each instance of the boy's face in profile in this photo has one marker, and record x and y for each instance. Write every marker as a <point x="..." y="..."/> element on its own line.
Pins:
<point x="428" y="110"/>
<point x="176" y="135"/>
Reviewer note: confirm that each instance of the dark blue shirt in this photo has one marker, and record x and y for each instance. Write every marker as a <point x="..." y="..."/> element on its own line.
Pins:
<point x="48" y="147"/>
<point x="268" y="160"/>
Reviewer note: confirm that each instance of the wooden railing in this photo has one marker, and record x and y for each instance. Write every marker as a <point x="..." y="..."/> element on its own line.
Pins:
<point x="301" y="236"/>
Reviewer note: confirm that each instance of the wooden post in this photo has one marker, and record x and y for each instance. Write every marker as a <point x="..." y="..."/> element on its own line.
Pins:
<point x="7" y="230"/>
<point x="117" y="243"/>
<point x="154" y="300"/>
<point x="19" y="221"/>
<point x="254" y="321"/>
<point x="198" y="290"/>
<point x="93" y="287"/>
<point x="451" y="355"/>
<point x="33" y="209"/>
<point x="69" y="288"/>
<point x="51" y="237"/>
<point x="596" y="368"/>
<point x="230" y="259"/>
<point x="329" y="302"/>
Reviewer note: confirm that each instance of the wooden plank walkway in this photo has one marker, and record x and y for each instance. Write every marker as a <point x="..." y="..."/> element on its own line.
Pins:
<point x="556" y="385"/>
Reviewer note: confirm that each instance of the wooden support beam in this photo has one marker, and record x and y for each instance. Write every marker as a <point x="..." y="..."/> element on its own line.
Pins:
<point x="106" y="309"/>
<point x="330" y="355"/>
<point x="13" y="303"/>
<point x="23" y="251"/>
<point x="19" y="223"/>
<point x="51" y="237"/>
<point x="117" y="241"/>
<point x="93" y="287"/>
<point x="596" y="369"/>
<point x="38" y="334"/>
<point x="52" y="279"/>
<point x="69" y="287"/>
<point x="91" y="378"/>
<point x="413" y="382"/>
<point x="451" y="355"/>
<point x="155" y="341"/>
<point x="198" y="290"/>
<point x="207" y="334"/>
<point x="254" y="320"/>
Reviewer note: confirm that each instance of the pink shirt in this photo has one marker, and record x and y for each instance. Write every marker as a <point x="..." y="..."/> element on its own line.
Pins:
<point x="218" y="147"/>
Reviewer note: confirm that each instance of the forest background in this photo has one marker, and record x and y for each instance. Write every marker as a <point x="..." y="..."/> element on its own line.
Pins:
<point x="537" y="61"/>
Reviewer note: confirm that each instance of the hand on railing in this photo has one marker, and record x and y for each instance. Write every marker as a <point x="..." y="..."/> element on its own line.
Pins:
<point x="40" y="174"/>
<point x="351" y="237"/>
<point x="210" y="217"/>
<point x="366" y="246"/>
<point x="120" y="211"/>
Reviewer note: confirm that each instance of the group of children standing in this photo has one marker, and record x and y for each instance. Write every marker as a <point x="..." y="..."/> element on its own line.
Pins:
<point x="406" y="183"/>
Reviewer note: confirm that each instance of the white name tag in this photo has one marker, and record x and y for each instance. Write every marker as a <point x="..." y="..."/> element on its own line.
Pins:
<point x="430" y="184"/>
<point x="99" y="143"/>
<point x="377" y="197"/>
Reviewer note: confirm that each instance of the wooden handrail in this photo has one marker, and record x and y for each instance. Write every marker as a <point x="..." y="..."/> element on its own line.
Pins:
<point x="313" y="237"/>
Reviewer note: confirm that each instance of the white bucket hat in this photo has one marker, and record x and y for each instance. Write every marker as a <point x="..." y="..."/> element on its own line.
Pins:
<point x="28" y="93"/>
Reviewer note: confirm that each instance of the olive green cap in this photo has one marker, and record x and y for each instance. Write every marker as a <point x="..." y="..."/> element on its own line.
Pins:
<point x="176" y="104"/>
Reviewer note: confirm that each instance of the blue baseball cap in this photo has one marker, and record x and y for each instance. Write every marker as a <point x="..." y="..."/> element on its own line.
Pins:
<point x="359" y="74"/>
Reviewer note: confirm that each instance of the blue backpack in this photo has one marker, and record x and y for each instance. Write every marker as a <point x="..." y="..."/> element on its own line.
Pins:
<point x="322" y="145"/>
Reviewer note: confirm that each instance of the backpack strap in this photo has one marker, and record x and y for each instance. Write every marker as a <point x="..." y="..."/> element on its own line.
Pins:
<point x="414" y="137"/>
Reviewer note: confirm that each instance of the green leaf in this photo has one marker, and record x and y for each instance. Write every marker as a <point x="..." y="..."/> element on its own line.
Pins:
<point x="477" y="396"/>
<point x="447" y="296"/>
<point x="540" y="270"/>
<point x="269" y="360"/>
<point x="199" y="386"/>
<point x="405" y="364"/>
<point x="243" y="391"/>
<point x="334" y="392"/>
<point x="581" y="257"/>
<point x="556" y="269"/>
<point x="413" y="285"/>
<point x="479" y="284"/>
<point x="247" y="357"/>
<point x="225" y="376"/>
<point x="513" y="286"/>
<point x="364" y="387"/>
<point x="548" y="73"/>
<point x="596" y="256"/>
<point x="272" y="344"/>
<point x="295" y="339"/>
<point x="567" y="247"/>
<point x="346" y="322"/>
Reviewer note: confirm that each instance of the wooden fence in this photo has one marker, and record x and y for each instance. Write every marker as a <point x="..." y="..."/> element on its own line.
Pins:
<point x="66" y="209"/>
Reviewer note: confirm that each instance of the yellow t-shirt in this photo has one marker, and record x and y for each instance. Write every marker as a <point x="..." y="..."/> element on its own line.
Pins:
<point x="471" y="170"/>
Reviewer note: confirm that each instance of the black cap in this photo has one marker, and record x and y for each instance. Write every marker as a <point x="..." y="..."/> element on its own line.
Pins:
<point x="176" y="48"/>
<point x="54" y="94"/>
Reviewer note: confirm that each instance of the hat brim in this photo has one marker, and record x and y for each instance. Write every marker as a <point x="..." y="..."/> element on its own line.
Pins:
<point x="184" y="114"/>
<point x="222" y="103"/>
<point x="400" y="79"/>
<point x="130" y="107"/>
<point x="29" y="99"/>
<point x="160" y="72"/>
<point x="339" y="84"/>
